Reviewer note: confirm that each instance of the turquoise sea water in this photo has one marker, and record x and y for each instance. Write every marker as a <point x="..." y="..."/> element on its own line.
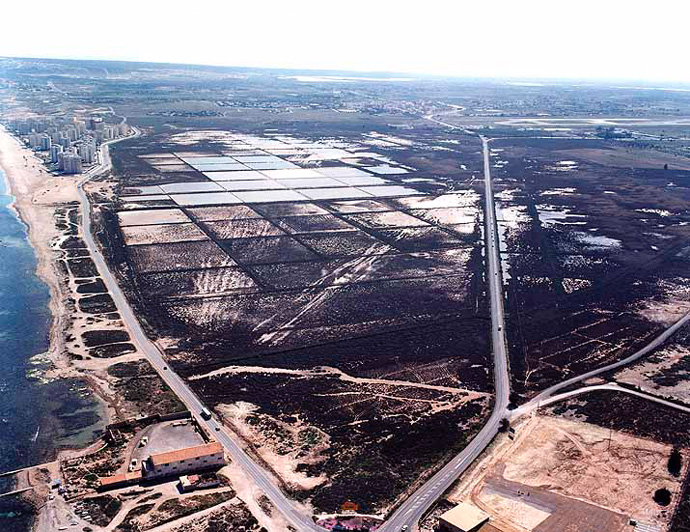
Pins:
<point x="37" y="417"/>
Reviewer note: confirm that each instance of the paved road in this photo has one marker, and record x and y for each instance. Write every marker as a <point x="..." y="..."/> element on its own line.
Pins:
<point x="300" y="521"/>
<point x="410" y="512"/>
<point x="651" y="346"/>
<point x="529" y="407"/>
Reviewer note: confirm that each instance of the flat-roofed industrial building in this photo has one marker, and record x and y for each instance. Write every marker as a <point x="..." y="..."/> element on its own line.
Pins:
<point x="463" y="518"/>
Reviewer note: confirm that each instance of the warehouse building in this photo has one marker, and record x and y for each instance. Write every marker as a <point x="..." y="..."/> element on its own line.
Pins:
<point x="463" y="518"/>
<point x="188" y="460"/>
<point x="120" y="481"/>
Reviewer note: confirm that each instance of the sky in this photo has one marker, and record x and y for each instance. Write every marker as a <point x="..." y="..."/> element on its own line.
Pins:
<point x="602" y="39"/>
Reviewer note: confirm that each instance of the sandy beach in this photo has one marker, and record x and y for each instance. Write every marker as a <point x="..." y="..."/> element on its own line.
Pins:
<point x="37" y="194"/>
<point x="37" y="197"/>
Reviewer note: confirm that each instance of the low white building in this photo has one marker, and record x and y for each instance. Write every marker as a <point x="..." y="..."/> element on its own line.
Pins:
<point x="464" y="518"/>
<point x="188" y="460"/>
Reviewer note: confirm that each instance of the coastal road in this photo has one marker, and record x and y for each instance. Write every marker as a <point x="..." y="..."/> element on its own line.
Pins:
<point x="414" y="507"/>
<point x="258" y="475"/>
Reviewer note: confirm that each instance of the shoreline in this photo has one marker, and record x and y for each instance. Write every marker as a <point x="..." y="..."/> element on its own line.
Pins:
<point x="50" y="210"/>
<point x="39" y="232"/>
<point x="36" y="197"/>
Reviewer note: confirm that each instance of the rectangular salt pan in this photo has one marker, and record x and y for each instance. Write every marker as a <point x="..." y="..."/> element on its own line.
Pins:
<point x="386" y="170"/>
<point x="270" y="196"/>
<point x="335" y="193"/>
<point x="241" y="175"/>
<point x="257" y="158"/>
<point x="291" y="173"/>
<point x="390" y="191"/>
<point x="218" y="198"/>
<point x="362" y="181"/>
<point x="152" y="217"/>
<point x="198" y="186"/>
<point x="273" y="165"/>
<point x="225" y="167"/>
<point x="209" y="160"/>
<point x="322" y="182"/>
<point x="341" y="171"/>
<point x="266" y="184"/>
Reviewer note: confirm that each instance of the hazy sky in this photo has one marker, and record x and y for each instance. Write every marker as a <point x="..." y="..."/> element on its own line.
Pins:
<point x="516" y="38"/>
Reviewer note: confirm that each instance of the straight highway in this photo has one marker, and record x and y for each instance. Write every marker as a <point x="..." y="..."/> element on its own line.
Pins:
<point x="410" y="512"/>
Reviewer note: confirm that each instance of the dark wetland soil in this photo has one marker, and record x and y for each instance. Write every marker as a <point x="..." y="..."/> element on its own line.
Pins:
<point x="586" y="247"/>
<point x="379" y="436"/>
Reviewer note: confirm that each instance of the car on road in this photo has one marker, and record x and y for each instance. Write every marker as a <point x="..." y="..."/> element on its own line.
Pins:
<point x="133" y="464"/>
<point x="206" y="414"/>
<point x="144" y="441"/>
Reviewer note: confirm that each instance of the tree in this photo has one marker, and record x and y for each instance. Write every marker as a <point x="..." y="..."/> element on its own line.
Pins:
<point x="675" y="462"/>
<point x="662" y="497"/>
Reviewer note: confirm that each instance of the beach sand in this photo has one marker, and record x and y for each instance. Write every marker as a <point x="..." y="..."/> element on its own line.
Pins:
<point x="37" y="194"/>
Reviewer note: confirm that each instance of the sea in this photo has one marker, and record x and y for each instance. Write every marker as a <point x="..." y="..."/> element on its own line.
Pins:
<point x="38" y="416"/>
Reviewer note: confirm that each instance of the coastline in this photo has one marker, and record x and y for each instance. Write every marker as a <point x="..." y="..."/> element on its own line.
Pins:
<point x="30" y="185"/>
<point x="36" y="197"/>
<point x="83" y="394"/>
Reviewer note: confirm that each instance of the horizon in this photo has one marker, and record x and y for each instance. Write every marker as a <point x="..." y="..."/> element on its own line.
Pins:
<point x="531" y="41"/>
<point x="363" y="74"/>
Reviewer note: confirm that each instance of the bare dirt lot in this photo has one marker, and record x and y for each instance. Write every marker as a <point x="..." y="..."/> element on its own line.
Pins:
<point x="610" y="469"/>
<point x="561" y="474"/>
<point x="639" y="418"/>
